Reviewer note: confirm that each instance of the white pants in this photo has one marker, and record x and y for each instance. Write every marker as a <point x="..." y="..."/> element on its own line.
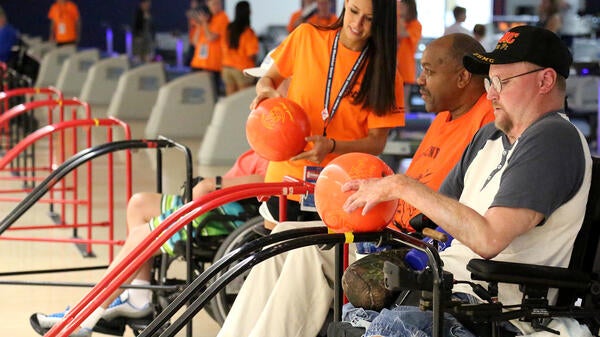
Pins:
<point x="288" y="295"/>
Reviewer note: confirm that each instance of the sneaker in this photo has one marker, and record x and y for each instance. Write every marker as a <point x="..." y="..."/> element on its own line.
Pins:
<point x="121" y="307"/>
<point x="41" y="323"/>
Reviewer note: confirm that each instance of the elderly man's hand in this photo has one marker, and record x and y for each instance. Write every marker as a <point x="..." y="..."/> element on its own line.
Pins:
<point x="368" y="193"/>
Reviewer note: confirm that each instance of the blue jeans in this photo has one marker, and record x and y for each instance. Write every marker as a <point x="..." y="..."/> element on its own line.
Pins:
<point x="401" y="321"/>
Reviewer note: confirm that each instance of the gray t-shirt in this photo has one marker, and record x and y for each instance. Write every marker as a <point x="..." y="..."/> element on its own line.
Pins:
<point x="548" y="169"/>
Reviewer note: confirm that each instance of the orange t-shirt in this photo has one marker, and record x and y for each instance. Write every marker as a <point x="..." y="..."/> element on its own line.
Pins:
<point x="208" y="54"/>
<point x="406" y="52"/>
<point x="64" y="21"/>
<point x="304" y="56"/>
<point x="440" y="149"/>
<point x="242" y="57"/>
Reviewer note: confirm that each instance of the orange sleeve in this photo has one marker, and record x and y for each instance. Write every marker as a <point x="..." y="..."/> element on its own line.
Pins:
<point x="52" y="12"/>
<point x="74" y="11"/>
<point x="407" y="48"/>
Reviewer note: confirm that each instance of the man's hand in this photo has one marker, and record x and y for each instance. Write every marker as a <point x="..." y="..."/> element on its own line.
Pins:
<point x="368" y="193"/>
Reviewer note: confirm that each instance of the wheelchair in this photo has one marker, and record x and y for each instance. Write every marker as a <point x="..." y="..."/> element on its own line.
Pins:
<point x="578" y="285"/>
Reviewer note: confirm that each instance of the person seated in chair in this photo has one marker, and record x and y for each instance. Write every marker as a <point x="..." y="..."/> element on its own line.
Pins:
<point x="145" y="212"/>
<point x="458" y="97"/>
<point x="519" y="191"/>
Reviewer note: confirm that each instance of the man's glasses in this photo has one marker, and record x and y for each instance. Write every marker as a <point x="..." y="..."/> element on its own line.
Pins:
<point x="496" y="82"/>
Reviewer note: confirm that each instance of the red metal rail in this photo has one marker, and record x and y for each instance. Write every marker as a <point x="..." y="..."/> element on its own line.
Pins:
<point x="47" y="131"/>
<point x="147" y="247"/>
<point x="51" y="93"/>
<point x="51" y="105"/>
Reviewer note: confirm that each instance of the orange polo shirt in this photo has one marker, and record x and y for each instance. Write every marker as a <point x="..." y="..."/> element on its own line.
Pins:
<point x="208" y="54"/>
<point x="242" y="57"/>
<point x="406" y="52"/>
<point x="441" y="148"/>
<point x="64" y="21"/>
<point x="304" y="56"/>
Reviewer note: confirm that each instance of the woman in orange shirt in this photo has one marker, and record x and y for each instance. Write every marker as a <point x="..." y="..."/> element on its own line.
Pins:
<point x="208" y="56"/>
<point x="240" y="47"/>
<point x="344" y="76"/>
<point x="409" y="34"/>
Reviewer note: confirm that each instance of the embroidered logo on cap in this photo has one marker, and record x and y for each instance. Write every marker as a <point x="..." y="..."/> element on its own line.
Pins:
<point x="506" y="40"/>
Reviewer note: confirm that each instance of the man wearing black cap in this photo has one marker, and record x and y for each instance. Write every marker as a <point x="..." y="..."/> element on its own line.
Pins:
<point x="519" y="192"/>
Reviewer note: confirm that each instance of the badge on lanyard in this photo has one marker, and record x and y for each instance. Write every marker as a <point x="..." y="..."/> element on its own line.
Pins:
<point x="324" y="114"/>
<point x="307" y="202"/>
<point x="203" y="51"/>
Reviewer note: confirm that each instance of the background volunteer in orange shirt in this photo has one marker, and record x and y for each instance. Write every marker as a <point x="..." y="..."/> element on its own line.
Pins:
<point x="317" y="12"/>
<point x="409" y="34"/>
<point x="291" y="294"/>
<point x="240" y="46"/>
<point x="208" y="54"/>
<point x="65" y="23"/>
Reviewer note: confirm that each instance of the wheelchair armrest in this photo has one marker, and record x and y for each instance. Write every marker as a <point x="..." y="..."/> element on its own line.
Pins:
<point x="527" y="274"/>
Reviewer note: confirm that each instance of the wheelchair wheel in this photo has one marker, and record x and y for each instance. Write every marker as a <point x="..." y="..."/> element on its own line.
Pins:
<point x="219" y="306"/>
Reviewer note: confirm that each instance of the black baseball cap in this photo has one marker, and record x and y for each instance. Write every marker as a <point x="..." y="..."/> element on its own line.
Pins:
<point x="524" y="43"/>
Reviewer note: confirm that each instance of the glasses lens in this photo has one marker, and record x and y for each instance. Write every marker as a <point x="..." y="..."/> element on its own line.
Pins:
<point x="487" y="84"/>
<point x="497" y="84"/>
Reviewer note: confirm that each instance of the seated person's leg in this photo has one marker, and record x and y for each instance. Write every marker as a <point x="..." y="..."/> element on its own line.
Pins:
<point x="288" y="295"/>
<point x="142" y="207"/>
<point x="136" y="302"/>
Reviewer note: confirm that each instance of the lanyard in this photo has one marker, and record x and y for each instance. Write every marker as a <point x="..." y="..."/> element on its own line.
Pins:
<point x="326" y="114"/>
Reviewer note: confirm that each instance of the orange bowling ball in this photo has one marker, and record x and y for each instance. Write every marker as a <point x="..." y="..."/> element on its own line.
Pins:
<point x="277" y="129"/>
<point x="329" y="197"/>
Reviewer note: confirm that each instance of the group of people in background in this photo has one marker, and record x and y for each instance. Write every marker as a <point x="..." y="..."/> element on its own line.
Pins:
<point x="225" y="48"/>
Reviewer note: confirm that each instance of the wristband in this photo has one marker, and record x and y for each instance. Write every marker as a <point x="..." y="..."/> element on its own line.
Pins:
<point x="333" y="147"/>
<point x="218" y="183"/>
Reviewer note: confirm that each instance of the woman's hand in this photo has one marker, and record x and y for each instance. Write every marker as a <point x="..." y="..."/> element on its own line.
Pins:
<point x="262" y="94"/>
<point x="321" y="148"/>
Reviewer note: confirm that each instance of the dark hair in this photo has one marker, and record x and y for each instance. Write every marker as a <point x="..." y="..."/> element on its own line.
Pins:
<point x="479" y="29"/>
<point x="411" y="10"/>
<point x="458" y="10"/>
<point x="239" y="24"/>
<point x="378" y="88"/>
<point x="462" y="45"/>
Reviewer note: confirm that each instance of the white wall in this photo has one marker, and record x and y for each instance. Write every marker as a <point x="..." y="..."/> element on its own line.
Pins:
<point x="266" y="12"/>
